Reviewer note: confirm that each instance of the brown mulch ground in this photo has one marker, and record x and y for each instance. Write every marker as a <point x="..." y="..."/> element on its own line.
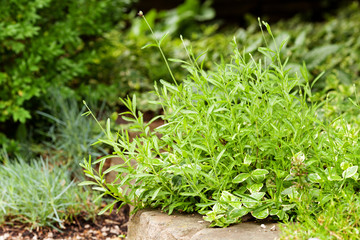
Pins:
<point x="105" y="227"/>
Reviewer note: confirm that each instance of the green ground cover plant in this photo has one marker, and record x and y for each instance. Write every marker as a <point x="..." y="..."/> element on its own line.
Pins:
<point x="244" y="138"/>
<point x="40" y="194"/>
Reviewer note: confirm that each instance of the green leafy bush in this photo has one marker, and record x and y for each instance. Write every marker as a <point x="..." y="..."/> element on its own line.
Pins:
<point x="238" y="140"/>
<point x="40" y="194"/>
<point x="48" y="43"/>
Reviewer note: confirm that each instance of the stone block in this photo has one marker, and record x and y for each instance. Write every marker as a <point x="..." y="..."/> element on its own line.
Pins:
<point x="156" y="225"/>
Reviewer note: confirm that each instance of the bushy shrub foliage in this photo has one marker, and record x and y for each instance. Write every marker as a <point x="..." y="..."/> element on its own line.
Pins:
<point x="48" y="43"/>
<point x="241" y="139"/>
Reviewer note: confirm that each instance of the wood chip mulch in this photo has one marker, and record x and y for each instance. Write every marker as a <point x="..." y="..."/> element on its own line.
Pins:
<point x="105" y="227"/>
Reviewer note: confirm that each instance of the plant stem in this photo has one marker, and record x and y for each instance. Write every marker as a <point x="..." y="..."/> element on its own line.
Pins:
<point x="158" y="45"/>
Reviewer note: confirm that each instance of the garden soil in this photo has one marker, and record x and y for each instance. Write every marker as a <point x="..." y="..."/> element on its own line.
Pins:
<point x="105" y="227"/>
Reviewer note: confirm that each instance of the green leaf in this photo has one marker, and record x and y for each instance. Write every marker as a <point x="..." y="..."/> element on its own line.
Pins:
<point x="314" y="177"/>
<point x="238" y="212"/>
<point x="149" y="45"/>
<point x="108" y="207"/>
<point x="260" y="213"/>
<point x="317" y="55"/>
<point x="85" y="183"/>
<point x="114" y="189"/>
<point x="241" y="177"/>
<point x="99" y="197"/>
<point x="249" y="202"/>
<point x="355" y="177"/>
<point x="168" y="85"/>
<point x="247" y="160"/>
<point x="289" y="191"/>
<point x="344" y="165"/>
<point x="274" y="211"/>
<point x="252" y="200"/>
<point x="133" y="103"/>
<point x="163" y="37"/>
<point x="227" y="196"/>
<point x="173" y="206"/>
<point x="259" y="172"/>
<point x="220" y="155"/>
<point x="116" y="168"/>
<point x="287" y="207"/>
<point x="300" y="40"/>
<point x="101" y="189"/>
<point x="104" y="158"/>
<point x="188" y="194"/>
<point x="202" y="205"/>
<point x="257" y="195"/>
<point x="155" y="193"/>
<point x="335" y="178"/>
<point x="129" y="119"/>
<point x="256" y="187"/>
<point x="332" y="175"/>
<point x="20" y="114"/>
<point x="267" y="52"/>
<point x="178" y="61"/>
<point x="349" y="172"/>
<point x="236" y="204"/>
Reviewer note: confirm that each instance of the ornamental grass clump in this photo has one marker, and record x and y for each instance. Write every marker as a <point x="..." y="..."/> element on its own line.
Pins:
<point x="239" y="140"/>
<point x="38" y="194"/>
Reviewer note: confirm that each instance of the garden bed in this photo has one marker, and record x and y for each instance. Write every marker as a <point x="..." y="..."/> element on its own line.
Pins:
<point x="107" y="226"/>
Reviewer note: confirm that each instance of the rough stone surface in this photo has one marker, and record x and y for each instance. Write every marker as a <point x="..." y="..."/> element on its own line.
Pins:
<point x="155" y="225"/>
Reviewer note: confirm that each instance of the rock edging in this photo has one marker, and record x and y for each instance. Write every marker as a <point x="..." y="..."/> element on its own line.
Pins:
<point x="152" y="224"/>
